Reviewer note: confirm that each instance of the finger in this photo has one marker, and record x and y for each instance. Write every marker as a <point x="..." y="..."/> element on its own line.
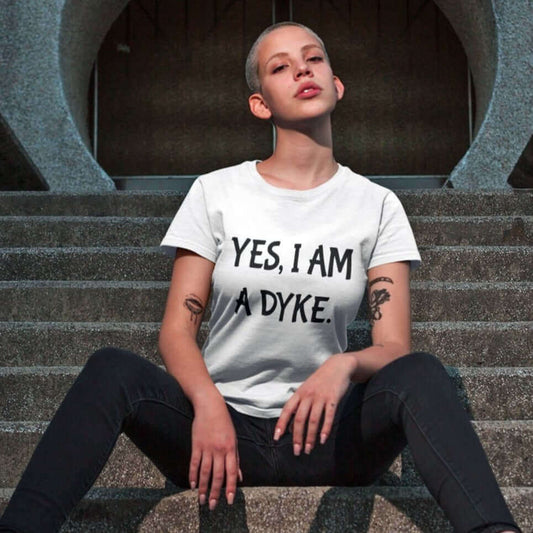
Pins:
<point x="216" y="481"/>
<point x="205" y="476"/>
<point x="329" y="416"/>
<point x="313" y="422"/>
<point x="239" y="466"/>
<point x="194" y="464"/>
<point x="300" y="420"/>
<point x="286" y="413"/>
<point x="231" y="477"/>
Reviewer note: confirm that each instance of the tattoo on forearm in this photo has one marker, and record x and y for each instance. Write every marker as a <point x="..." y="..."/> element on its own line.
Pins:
<point x="378" y="298"/>
<point x="194" y="305"/>
<point x="388" y="280"/>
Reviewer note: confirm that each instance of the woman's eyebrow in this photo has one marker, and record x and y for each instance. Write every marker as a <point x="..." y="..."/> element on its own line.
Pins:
<point x="274" y="56"/>
<point x="285" y="54"/>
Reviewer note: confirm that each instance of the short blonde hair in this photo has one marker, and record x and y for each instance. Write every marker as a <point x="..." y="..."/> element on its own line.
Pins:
<point x="252" y="66"/>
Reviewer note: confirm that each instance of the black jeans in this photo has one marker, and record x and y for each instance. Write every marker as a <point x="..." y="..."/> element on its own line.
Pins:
<point x="411" y="400"/>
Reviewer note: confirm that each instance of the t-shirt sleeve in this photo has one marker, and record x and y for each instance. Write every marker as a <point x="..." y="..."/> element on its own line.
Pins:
<point x="395" y="240"/>
<point x="191" y="227"/>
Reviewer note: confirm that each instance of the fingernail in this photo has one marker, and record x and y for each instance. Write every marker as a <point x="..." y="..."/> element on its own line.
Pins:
<point x="230" y="498"/>
<point x="212" y="505"/>
<point x="297" y="449"/>
<point x="307" y="449"/>
<point x="323" y="438"/>
<point x="202" y="499"/>
<point x="193" y="485"/>
<point x="277" y="434"/>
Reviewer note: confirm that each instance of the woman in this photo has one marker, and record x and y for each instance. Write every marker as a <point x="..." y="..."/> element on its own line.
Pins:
<point x="286" y="247"/>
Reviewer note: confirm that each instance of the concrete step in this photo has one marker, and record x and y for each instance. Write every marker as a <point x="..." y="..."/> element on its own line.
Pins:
<point x="434" y="301"/>
<point x="499" y="393"/>
<point x="128" y="467"/>
<point x="460" y="263"/>
<point x="118" y="204"/>
<point x="465" y="344"/>
<point x="439" y="263"/>
<point x="164" y="204"/>
<point x="74" y="301"/>
<point x="473" y="230"/>
<point x="70" y="343"/>
<point x="107" y="264"/>
<point x="52" y="231"/>
<point x="71" y="231"/>
<point x="275" y="509"/>
<point x="109" y="510"/>
<point x="467" y="203"/>
<point x="319" y="509"/>
<point x="142" y="301"/>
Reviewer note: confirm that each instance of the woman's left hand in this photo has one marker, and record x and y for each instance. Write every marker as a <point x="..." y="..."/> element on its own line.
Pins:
<point x="315" y="402"/>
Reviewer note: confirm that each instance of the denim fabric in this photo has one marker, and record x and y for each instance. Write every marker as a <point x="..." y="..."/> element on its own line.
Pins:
<point x="411" y="400"/>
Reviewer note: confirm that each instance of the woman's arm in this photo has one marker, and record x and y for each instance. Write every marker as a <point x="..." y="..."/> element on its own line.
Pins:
<point x="318" y="397"/>
<point x="214" y="445"/>
<point x="186" y="301"/>
<point x="390" y="317"/>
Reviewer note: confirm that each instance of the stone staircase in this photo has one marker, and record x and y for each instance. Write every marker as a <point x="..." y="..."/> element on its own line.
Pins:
<point x="78" y="272"/>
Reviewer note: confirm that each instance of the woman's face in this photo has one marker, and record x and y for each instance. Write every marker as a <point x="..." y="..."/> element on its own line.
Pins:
<point x="297" y="82"/>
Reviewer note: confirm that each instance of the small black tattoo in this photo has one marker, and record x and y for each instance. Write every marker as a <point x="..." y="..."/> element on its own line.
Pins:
<point x="194" y="305"/>
<point x="378" y="297"/>
<point x="388" y="280"/>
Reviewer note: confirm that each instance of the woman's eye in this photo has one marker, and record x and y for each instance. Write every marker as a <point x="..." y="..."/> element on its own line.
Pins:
<point x="278" y="69"/>
<point x="315" y="59"/>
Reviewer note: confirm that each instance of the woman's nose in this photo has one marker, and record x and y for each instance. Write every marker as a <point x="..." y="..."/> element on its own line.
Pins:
<point x="302" y="70"/>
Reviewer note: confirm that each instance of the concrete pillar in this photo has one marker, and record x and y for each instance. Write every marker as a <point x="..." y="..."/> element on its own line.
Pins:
<point x="498" y="39"/>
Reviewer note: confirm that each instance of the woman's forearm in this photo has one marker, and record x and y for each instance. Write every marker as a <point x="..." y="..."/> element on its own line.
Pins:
<point x="183" y="360"/>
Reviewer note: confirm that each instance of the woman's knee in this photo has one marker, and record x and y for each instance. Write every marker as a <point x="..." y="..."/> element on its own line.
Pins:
<point x="419" y="363"/>
<point x="414" y="370"/>
<point x="114" y="364"/>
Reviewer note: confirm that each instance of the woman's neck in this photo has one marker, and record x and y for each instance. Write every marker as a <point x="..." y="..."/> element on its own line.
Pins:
<point x="301" y="160"/>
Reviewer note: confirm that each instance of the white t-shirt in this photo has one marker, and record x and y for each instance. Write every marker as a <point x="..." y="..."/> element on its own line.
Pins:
<point x="290" y="273"/>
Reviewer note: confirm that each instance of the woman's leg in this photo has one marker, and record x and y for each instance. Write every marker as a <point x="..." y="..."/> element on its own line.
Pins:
<point x="116" y="391"/>
<point x="412" y="400"/>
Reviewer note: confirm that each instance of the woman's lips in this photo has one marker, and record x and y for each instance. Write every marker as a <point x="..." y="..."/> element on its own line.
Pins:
<point x="308" y="90"/>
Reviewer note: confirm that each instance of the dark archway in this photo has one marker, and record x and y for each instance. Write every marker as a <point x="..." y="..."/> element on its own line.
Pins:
<point x="172" y="97"/>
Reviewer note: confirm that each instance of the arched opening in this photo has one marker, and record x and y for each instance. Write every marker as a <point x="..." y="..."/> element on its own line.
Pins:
<point x="171" y="96"/>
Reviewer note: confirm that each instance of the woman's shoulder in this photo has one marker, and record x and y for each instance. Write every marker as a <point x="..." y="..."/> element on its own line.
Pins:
<point x="224" y="176"/>
<point x="365" y="188"/>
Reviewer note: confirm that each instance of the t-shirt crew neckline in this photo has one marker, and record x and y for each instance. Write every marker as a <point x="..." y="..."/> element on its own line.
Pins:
<point x="295" y="194"/>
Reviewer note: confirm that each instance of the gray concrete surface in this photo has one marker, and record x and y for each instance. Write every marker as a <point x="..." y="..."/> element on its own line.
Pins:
<point x="34" y="91"/>
<point x="443" y="202"/>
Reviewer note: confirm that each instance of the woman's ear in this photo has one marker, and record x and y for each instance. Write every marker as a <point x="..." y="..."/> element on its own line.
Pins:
<point x="339" y="87"/>
<point x="259" y="107"/>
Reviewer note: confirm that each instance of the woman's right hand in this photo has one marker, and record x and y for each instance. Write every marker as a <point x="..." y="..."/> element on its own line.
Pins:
<point x="215" y="456"/>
